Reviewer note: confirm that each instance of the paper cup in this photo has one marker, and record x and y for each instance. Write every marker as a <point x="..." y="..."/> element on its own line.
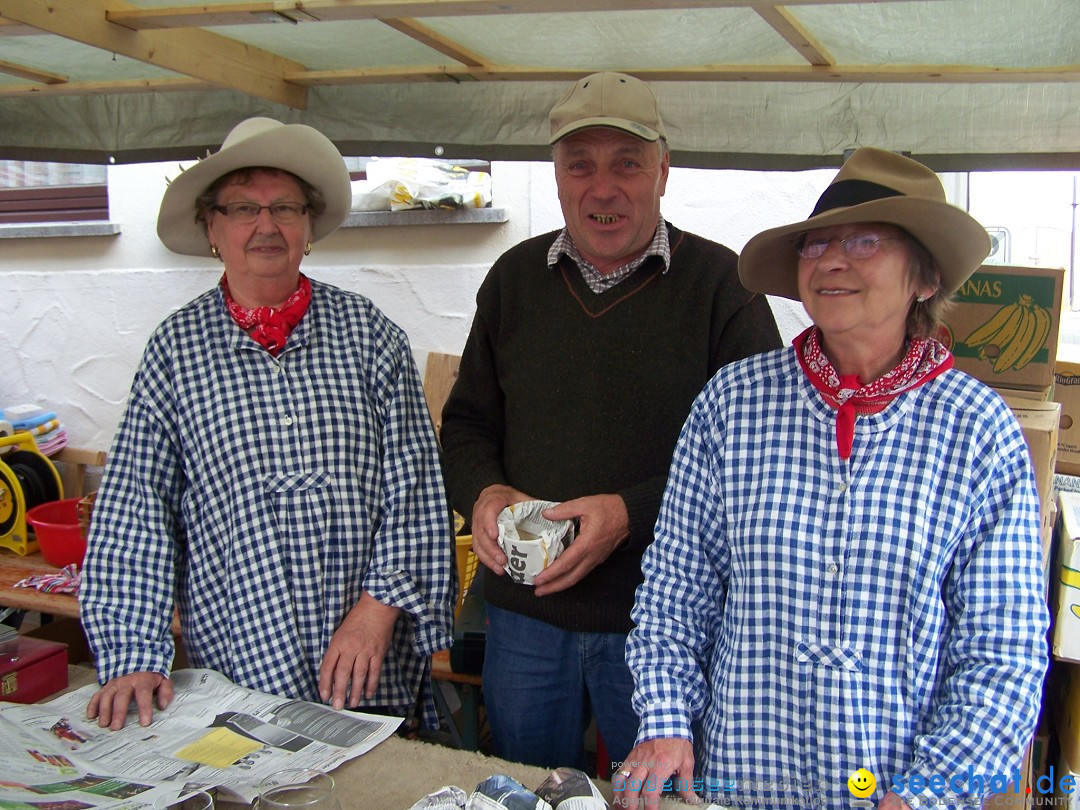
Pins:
<point x="531" y="541"/>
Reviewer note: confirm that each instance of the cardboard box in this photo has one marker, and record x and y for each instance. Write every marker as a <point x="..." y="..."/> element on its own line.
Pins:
<point x="31" y="669"/>
<point x="1041" y="394"/>
<point x="1066" y="599"/>
<point x="1039" y="423"/>
<point x="1004" y="327"/>
<point x="1067" y="392"/>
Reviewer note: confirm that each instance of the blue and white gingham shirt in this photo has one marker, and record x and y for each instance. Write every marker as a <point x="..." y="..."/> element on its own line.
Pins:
<point x="263" y="494"/>
<point x="803" y="617"/>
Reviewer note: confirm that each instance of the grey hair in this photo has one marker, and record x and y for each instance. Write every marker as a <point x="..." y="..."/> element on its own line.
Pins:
<point x="665" y="149"/>
<point x="925" y="317"/>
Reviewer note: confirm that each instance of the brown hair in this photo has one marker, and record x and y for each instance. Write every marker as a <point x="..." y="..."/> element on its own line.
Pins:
<point x="205" y="202"/>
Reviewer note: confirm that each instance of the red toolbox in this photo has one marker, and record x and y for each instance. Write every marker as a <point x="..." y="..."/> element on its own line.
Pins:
<point x="31" y="669"/>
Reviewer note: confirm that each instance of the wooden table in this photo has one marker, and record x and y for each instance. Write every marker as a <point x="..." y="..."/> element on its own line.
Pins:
<point x="399" y="772"/>
<point x="13" y="568"/>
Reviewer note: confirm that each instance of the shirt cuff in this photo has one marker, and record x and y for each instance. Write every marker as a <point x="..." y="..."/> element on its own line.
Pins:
<point x="397" y="589"/>
<point x="664" y="719"/>
<point x="119" y="662"/>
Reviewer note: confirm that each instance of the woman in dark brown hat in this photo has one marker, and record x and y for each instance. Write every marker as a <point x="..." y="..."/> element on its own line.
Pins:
<point x="844" y="601"/>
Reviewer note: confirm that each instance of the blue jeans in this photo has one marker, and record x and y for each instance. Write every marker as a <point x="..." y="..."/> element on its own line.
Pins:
<point x="541" y="685"/>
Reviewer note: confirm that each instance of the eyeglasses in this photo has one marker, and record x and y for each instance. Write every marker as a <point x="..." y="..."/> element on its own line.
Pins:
<point x="244" y="213"/>
<point x="856" y="246"/>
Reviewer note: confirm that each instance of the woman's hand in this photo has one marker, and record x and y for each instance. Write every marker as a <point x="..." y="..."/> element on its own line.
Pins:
<point x="645" y="770"/>
<point x="111" y="702"/>
<point x="893" y="802"/>
<point x="353" y="661"/>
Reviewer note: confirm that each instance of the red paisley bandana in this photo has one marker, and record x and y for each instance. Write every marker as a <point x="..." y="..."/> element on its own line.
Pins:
<point x="925" y="359"/>
<point x="270" y="326"/>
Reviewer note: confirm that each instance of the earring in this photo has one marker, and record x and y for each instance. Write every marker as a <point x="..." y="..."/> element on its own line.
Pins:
<point x="920" y="298"/>
<point x="215" y="252"/>
<point x="307" y="250"/>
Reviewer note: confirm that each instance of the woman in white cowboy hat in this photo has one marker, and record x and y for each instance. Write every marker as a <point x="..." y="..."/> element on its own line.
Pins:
<point x="847" y="569"/>
<point x="275" y="475"/>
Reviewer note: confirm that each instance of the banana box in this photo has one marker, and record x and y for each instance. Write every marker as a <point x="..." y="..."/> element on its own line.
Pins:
<point x="1066" y="584"/>
<point x="1003" y="329"/>
<point x="1067" y="392"/>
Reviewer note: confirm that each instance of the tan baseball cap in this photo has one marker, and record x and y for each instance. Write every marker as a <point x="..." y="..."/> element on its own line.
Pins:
<point x="608" y="100"/>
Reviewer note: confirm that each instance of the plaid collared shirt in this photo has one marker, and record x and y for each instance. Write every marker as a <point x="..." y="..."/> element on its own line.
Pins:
<point x="261" y="495"/>
<point x="804" y="617"/>
<point x="599" y="282"/>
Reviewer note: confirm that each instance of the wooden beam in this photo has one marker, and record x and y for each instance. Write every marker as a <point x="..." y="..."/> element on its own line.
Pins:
<point x="795" y="34"/>
<point x="444" y="45"/>
<point x="33" y="74"/>
<point x="266" y="11"/>
<point x="103" y="88"/>
<point x="910" y="74"/>
<point x="10" y="28"/>
<point x="914" y="74"/>
<point x="203" y="55"/>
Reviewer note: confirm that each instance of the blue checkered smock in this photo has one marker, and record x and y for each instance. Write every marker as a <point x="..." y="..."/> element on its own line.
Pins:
<point x="261" y="495"/>
<point x="803" y="617"/>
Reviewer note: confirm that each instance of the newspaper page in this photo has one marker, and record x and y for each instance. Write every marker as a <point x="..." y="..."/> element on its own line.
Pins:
<point x="214" y="734"/>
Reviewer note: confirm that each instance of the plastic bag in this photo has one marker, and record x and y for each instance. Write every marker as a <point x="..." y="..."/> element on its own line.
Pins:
<point x="399" y="184"/>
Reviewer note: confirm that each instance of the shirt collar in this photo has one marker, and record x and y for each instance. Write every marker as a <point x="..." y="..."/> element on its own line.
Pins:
<point x="659" y="246"/>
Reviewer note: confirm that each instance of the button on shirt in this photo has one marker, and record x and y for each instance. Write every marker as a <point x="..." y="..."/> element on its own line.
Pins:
<point x="264" y="494"/>
<point x="895" y="623"/>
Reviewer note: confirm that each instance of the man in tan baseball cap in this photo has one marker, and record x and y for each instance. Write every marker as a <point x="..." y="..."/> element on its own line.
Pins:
<point x="588" y="346"/>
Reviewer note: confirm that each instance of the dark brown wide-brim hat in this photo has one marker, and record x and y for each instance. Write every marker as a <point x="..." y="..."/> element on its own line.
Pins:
<point x="873" y="186"/>
<point x="295" y="148"/>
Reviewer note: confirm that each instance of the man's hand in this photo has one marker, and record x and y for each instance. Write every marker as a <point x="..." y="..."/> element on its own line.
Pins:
<point x="111" y="702"/>
<point x="890" y="801"/>
<point x="645" y="770"/>
<point x="354" y="659"/>
<point x="604" y="525"/>
<point x="485" y="529"/>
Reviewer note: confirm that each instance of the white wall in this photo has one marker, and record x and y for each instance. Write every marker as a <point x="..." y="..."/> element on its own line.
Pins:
<point x="77" y="310"/>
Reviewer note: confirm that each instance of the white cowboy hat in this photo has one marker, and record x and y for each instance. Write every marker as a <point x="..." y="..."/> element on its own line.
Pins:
<point x="295" y="148"/>
<point x="873" y="186"/>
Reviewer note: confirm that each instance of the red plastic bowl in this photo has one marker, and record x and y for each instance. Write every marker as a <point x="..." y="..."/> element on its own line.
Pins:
<point x="56" y="525"/>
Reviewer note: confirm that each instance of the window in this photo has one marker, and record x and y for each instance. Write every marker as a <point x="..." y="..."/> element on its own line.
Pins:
<point x="52" y="192"/>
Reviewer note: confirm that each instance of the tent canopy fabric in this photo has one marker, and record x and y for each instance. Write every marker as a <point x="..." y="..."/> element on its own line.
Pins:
<point x="959" y="84"/>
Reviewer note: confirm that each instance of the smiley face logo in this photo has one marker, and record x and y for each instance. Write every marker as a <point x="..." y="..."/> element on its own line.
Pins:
<point x="861" y="783"/>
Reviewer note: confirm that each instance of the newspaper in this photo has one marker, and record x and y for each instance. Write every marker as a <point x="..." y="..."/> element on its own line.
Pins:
<point x="531" y="541"/>
<point x="214" y="734"/>
<point x="563" y="789"/>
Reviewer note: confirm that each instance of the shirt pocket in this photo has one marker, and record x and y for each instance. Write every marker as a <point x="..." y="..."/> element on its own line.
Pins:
<point x="299" y="506"/>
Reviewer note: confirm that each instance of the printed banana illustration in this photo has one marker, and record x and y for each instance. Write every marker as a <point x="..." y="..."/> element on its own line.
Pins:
<point x="1013" y="335"/>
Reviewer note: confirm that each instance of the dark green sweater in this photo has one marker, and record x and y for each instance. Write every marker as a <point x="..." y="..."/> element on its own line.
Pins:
<point x="564" y="393"/>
